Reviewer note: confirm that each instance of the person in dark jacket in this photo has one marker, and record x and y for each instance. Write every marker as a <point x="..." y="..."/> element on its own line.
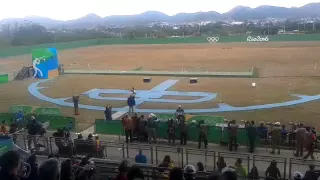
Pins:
<point x="183" y="132"/>
<point x="171" y="131"/>
<point x="10" y="165"/>
<point x="66" y="172"/>
<point x="252" y="133"/>
<point x="311" y="174"/>
<point x="233" y="132"/>
<point x="131" y="103"/>
<point x="108" y="113"/>
<point x="32" y="132"/>
<point x="32" y="161"/>
<point x="75" y="100"/>
<point x="203" y="134"/>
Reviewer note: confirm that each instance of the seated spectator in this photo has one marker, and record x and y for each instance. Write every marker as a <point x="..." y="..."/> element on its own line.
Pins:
<point x="66" y="170"/>
<point x="176" y="174"/>
<point x="87" y="172"/>
<point x="240" y="169"/>
<point x="284" y="134"/>
<point x="273" y="171"/>
<point x="166" y="163"/>
<point x="214" y="176"/>
<point x="200" y="167"/>
<point x="189" y="172"/>
<point x="135" y="173"/>
<point x="10" y="165"/>
<point x="311" y="173"/>
<point x="254" y="173"/>
<point x="221" y="163"/>
<point x="123" y="169"/>
<point x="140" y="158"/>
<point x="32" y="161"/>
<point x="49" y="170"/>
<point x="297" y="176"/>
<point x="229" y="174"/>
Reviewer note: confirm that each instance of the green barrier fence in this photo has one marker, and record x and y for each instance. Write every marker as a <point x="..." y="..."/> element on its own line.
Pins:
<point x="196" y="39"/>
<point x="216" y="134"/>
<point x="4" y="78"/>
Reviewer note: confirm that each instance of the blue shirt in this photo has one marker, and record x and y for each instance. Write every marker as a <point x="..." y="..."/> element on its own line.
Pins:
<point x="20" y="116"/>
<point x="140" y="158"/>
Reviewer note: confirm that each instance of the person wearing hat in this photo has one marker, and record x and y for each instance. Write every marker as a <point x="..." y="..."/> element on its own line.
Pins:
<point x="189" y="172"/>
<point x="180" y="113"/>
<point x="276" y="137"/>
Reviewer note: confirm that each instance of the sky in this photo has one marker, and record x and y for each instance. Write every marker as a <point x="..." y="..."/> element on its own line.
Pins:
<point x="72" y="9"/>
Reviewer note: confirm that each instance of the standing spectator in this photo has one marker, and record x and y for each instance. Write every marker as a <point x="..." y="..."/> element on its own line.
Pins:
<point x="310" y="143"/>
<point x="180" y="113"/>
<point x="284" y="134"/>
<point x="171" y="131"/>
<point x="252" y="133"/>
<point x="49" y="170"/>
<point x="131" y="103"/>
<point x="311" y="174"/>
<point x="200" y="167"/>
<point x="32" y="161"/>
<point x="233" y="132"/>
<point x="240" y="169"/>
<point x="189" y="172"/>
<point x="127" y="126"/>
<point x="292" y="134"/>
<point x="10" y="165"/>
<point x="108" y="113"/>
<point x="273" y="171"/>
<point x="140" y="158"/>
<point x="13" y="129"/>
<point x="135" y="173"/>
<point x="203" y="134"/>
<point x="176" y="174"/>
<point x="75" y="100"/>
<point x="32" y="132"/>
<point x="134" y="119"/>
<point x="300" y="140"/>
<point x="151" y="128"/>
<point x="183" y="132"/>
<point x="4" y="128"/>
<point x="263" y="131"/>
<point x="143" y="135"/>
<point x="276" y="137"/>
<point x="122" y="170"/>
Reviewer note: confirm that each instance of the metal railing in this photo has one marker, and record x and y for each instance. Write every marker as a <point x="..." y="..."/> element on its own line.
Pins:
<point x="155" y="153"/>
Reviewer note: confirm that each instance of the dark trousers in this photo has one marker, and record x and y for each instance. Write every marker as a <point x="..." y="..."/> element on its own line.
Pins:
<point x="204" y="138"/>
<point x="251" y="144"/>
<point x="299" y="149"/>
<point x="128" y="134"/>
<point x="310" y="153"/>
<point x="233" y="143"/>
<point x="76" y="110"/>
<point x="171" y="137"/>
<point x="183" y="138"/>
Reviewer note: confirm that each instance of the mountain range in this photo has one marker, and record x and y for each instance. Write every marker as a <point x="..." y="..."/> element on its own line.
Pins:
<point x="237" y="13"/>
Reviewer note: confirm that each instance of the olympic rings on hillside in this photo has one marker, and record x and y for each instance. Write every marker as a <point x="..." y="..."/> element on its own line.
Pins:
<point x="213" y="39"/>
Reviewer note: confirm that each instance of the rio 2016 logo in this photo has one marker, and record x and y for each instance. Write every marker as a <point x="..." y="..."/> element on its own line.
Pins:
<point x="257" y="39"/>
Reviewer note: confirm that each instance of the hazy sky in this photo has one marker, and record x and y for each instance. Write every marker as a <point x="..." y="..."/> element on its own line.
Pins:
<point x="71" y="9"/>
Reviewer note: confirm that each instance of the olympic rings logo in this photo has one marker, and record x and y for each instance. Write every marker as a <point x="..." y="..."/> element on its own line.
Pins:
<point x="213" y="39"/>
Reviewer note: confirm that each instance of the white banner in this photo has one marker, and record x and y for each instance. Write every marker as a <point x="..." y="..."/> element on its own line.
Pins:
<point x="258" y="39"/>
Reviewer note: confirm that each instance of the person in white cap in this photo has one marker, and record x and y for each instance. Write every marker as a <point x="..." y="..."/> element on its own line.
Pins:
<point x="180" y="113"/>
<point x="189" y="172"/>
<point x="276" y="137"/>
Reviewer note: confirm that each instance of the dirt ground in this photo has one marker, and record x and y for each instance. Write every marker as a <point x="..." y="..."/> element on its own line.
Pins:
<point x="283" y="68"/>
